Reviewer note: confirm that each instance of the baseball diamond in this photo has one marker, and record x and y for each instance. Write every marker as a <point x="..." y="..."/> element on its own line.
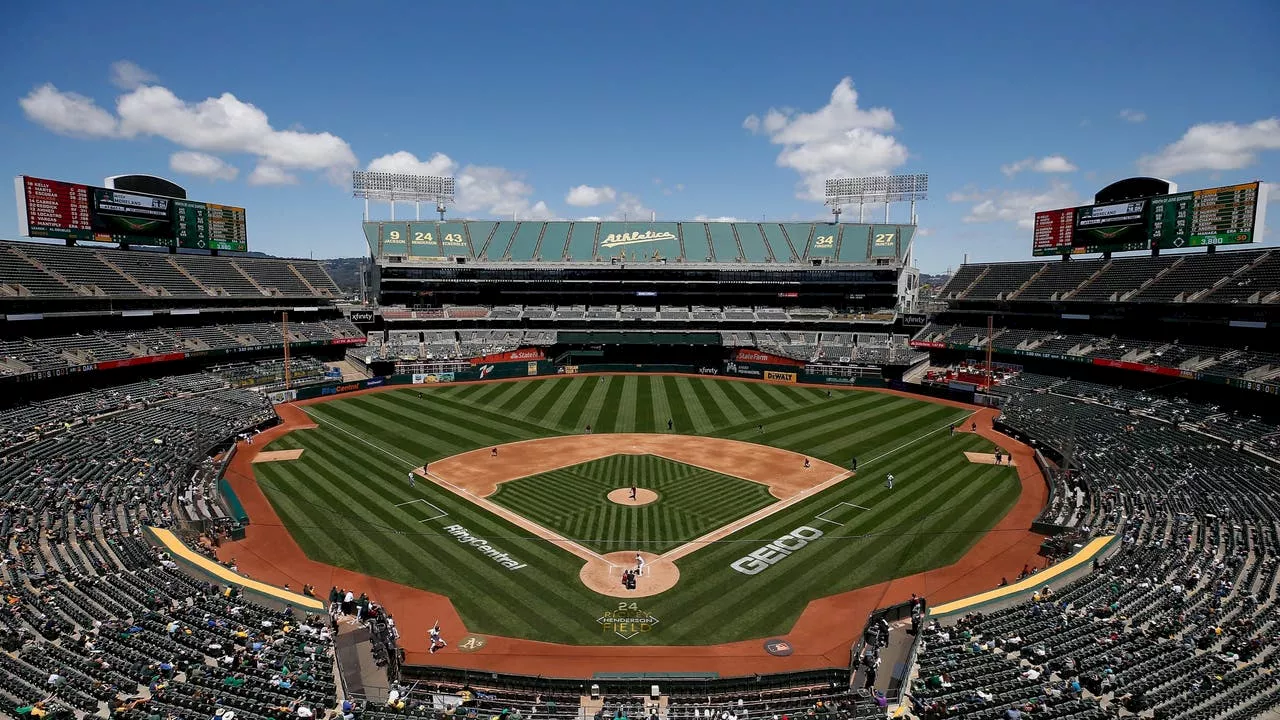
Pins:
<point x="346" y="501"/>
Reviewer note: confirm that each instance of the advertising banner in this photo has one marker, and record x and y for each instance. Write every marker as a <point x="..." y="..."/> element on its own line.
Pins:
<point x="521" y="355"/>
<point x="432" y="378"/>
<point x="775" y="376"/>
<point x="756" y="356"/>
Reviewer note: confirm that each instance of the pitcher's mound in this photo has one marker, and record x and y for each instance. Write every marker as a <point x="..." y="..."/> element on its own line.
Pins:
<point x="622" y="496"/>
<point x="989" y="459"/>
<point x="276" y="455"/>
<point x="606" y="577"/>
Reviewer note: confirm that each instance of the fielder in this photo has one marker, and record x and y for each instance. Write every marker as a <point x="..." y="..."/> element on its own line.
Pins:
<point x="437" y="642"/>
<point x="888" y="481"/>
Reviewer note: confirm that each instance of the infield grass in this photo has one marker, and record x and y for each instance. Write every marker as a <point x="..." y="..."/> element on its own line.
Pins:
<point x="340" y="499"/>
<point x="691" y="502"/>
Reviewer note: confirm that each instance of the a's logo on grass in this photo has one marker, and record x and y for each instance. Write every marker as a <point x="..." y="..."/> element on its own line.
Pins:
<point x="778" y="648"/>
<point x="627" y="621"/>
<point x="471" y="643"/>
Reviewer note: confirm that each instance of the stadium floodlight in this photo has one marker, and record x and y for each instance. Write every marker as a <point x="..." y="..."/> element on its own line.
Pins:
<point x="403" y="187"/>
<point x="877" y="189"/>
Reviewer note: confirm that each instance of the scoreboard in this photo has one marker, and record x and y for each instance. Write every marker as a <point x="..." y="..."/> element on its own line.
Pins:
<point x="1229" y="215"/>
<point x="69" y="211"/>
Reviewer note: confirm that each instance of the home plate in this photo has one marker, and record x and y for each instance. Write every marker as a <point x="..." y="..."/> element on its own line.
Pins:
<point x="274" y="455"/>
<point x="989" y="459"/>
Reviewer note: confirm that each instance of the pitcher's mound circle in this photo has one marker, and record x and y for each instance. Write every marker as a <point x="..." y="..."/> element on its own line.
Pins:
<point x="622" y="496"/>
<point x="605" y="577"/>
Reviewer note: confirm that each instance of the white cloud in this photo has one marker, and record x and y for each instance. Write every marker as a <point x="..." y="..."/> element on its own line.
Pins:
<point x="266" y="174"/>
<point x="223" y="124"/>
<point x="1046" y="164"/>
<point x="126" y="75"/>
<point x="838" y="139"/>
<point x="587" y="196"/>
<point x="1014" y="206"/>
<point x="202" y="165"/>
<point x="1214" y="146"/>
<point x="406" y="162"/>
<point x="630" y="207"/>
<point x="1133" y="116"/>
<point x="480" y="189"/>
<point x="718" y="218"/>
<point x="924" y="232"/>
<point x="68" y="113"/>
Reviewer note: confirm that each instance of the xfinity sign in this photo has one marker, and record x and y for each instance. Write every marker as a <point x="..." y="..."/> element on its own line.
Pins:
<point x="769" y="555"/>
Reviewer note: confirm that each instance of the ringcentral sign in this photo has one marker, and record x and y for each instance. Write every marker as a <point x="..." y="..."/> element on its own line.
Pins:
<point x="769" y="555"/>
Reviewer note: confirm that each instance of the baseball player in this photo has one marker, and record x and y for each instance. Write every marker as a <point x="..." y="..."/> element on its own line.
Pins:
<point x="437" y="642"/>
<point x="633" y="492"/>
<point x="411" y="479"/>
<point x="639" y="564"/>
<point x="888" y="481"/>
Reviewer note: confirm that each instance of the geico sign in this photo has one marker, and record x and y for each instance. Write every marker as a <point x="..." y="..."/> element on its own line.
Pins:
<point x="760" y="560"/>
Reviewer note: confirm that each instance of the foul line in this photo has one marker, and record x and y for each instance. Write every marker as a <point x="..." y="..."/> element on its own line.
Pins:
<point x="375" y="446"/>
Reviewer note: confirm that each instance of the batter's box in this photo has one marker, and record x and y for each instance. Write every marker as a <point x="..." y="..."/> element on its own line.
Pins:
<point x="840" y="513"/>
<point x="422" y="507"/>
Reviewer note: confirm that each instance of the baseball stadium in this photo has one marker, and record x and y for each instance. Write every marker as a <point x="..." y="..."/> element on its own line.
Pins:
<point x="387" y="433"/>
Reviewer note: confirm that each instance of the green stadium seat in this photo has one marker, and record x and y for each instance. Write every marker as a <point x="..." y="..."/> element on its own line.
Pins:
<point x="554" y="238"/>
<point x="524" y="244"/>
<point x="750" y="238"/>
<point x="777" y="241"/>
<point x="723" y="243"/>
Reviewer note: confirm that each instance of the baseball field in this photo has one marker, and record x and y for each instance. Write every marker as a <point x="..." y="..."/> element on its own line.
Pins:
<point x="520" y="502"/>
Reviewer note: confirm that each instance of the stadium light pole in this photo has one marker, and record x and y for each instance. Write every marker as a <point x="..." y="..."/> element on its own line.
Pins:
<point x="876" y="189"/>
<point x="396" y="187"/>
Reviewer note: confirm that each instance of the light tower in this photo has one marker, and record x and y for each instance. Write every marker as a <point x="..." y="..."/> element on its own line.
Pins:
<point x="403" y="187"/>
<point x="876" y="189"/>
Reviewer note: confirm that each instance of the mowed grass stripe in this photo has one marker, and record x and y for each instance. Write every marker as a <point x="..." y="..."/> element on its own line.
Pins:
<point x="941" y="506"/>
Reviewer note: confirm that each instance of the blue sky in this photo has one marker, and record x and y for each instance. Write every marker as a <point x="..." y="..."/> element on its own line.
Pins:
<point x="686" y="109"/>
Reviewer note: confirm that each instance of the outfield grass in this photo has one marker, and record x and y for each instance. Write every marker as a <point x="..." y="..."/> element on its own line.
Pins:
<point x="339" y="499"/>
<point x="691" y="502"/>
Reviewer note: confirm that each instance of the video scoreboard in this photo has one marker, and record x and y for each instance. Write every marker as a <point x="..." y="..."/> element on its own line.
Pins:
<point x="69" y="211"/>
<point x="1230" y="215"/>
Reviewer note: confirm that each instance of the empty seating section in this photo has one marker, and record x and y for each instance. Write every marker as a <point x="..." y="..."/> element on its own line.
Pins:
<point x="525" y="242"/>
<point x="1258" y="283"/>
<point x="1002" y="278"/>
<point x="318" y="278"/>
<point x="1059" y="278"/>
<point x="153" y="270"/>
<point x="1188" y="278"/>
<point x="276" y="277"/>
<point x="1121" y="276"/>
<point x="18" y="275"/>
<point x="81" y="266"/>
<point x="218" y="275"/>
<point x="554" y="239"/>
<point x="582" y="242"/>
<point x="800" y="235"/>
<point x="754" y="248"/>
<point x="961" y="280"/>
<point x="777" y="240"/>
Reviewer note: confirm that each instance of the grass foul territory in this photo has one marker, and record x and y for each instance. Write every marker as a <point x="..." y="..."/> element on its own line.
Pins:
<point x="348" y="501"/>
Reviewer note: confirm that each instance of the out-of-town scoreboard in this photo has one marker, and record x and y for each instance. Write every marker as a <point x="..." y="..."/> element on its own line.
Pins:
<point x="1231" y="215"/>
<point x="70" y="211"/>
